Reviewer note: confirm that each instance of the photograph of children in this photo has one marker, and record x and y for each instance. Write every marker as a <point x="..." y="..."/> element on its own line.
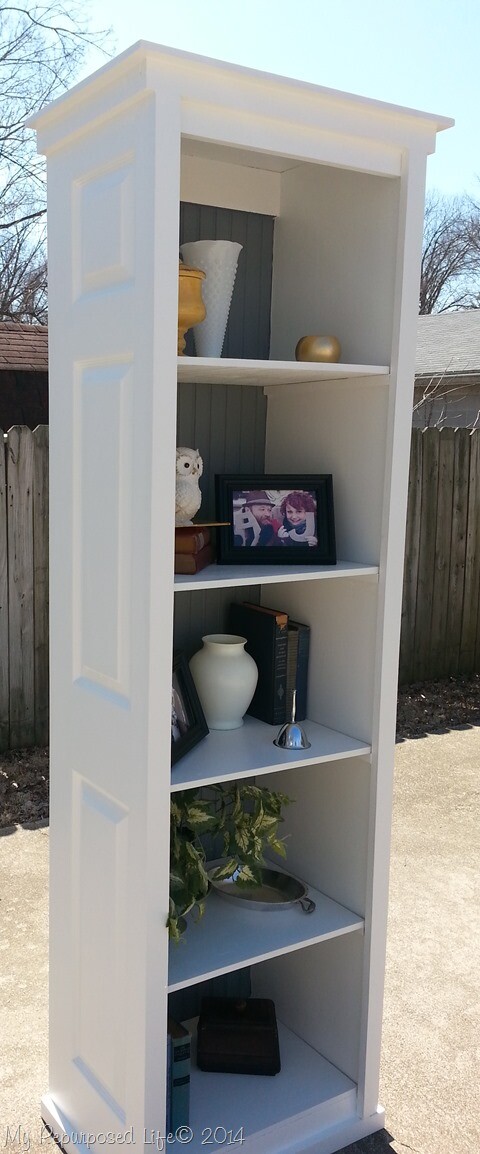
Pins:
<point x="275" y="517"/>
<point x="180" y="722"/>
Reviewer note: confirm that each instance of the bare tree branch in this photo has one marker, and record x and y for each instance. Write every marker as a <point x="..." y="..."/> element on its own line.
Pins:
<point x="441" y="400"/>
<point x="22" y="219"/>
<point x="42" y="47"/>
<point x="450" y="272"/>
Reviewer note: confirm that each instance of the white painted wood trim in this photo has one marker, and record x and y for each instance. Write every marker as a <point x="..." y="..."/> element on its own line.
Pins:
<point x="201" y="77"/>
<point x="230" y="186"/>
<point x="389" y="614"/>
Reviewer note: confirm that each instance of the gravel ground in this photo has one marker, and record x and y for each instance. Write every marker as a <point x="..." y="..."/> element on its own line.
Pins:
<point x="437" y="706"/>
<point x="432" y="707"/>
<point x="23" y="787"/>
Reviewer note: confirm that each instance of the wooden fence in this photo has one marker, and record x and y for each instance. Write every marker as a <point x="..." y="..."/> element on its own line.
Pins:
<point x="440" y="615"/>
<point x="24" y="588"/>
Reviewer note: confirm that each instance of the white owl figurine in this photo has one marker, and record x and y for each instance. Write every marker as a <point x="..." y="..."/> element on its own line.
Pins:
<point x="188" y="497"/>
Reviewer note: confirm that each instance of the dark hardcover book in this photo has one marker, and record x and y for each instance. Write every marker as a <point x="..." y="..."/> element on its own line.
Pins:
<point x="267" y="638"/>
<point x="297" y="668"/>
<point x="180" y="1081"/>
<point x="168" y="1105"/>
<point x="292" y="662"/>
<point x="191" y="540"/>
<point x="193" y="562"/>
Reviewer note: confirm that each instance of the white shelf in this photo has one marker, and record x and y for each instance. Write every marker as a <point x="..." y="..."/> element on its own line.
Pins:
<point x="249" y="751"/>
<point x="232" y="576"/>
<point x="306" y="1098"/>
<point x="221" y="371"/>
<point x="227" y="938"/>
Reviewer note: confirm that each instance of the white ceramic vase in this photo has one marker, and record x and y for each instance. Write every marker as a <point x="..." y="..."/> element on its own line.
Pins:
<point x="218" y="259"/>
<point x="225" y="678"/>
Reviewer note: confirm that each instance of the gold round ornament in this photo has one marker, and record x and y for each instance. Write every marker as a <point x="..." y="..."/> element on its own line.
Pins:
<point x="313" y="348"/>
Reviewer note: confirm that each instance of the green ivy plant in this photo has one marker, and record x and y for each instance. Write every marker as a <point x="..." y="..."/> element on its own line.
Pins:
<point x="245" y="816"/>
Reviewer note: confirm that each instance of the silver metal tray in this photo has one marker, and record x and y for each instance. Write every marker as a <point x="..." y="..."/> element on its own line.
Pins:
<point x="277" y="891"/>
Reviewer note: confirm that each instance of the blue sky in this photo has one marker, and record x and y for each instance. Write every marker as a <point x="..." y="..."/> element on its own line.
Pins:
<point x="420" y="53"/>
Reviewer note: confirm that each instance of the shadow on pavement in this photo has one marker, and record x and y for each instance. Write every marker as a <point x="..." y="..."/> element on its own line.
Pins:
<point x="379" y="1143"/>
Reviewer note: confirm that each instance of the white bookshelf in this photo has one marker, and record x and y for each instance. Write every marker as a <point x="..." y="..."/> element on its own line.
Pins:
<point x="344" y="179"/>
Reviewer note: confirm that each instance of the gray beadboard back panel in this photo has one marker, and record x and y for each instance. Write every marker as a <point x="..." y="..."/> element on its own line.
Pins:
<point x="203" y="612"/>
<point x="226" y="423"/>
<point x="248" y="328"/>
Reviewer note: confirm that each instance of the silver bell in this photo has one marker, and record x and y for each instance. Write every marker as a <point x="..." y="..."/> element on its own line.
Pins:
<point x="291" y="735"/>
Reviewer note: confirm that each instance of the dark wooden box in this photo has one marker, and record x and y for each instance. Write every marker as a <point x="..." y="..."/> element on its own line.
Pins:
<point x="238" y="1036"/>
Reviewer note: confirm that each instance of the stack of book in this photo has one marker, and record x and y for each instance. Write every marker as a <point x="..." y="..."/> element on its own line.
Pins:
<point x="280" y="647"/>
<point x="178" y="1075"/>
<point x="193" y="548"/>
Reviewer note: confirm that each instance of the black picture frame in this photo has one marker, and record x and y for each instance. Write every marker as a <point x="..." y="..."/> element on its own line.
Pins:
<point x="240" y="542"/>
<point x="189" y="725"/>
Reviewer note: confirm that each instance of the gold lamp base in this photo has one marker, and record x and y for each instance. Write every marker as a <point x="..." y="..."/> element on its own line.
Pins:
<point x="191" y="308"/>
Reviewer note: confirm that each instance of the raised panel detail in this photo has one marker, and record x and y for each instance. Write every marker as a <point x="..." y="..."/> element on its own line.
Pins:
<point x="102" y="526"/>
<point x="99" y="920"/>
<point x="103" y="228"/>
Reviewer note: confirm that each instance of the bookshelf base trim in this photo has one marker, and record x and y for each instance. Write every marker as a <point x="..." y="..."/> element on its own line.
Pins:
<point x="309" y="1106"/>
<point x="324" y="1140"/>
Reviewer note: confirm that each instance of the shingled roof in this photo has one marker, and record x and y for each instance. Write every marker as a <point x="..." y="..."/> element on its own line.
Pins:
<point x="23" y="348"/>
<point x="448" y="343"/>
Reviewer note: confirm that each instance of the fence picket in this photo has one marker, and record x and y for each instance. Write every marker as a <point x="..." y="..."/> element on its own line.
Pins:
<point x="458" y="549"/>
<point x="4" y="652"/>
<point x="471" y="617"/>
<point x="443" y="542"/>
<point x="410" y="574"/>
<point x="40" y="591"/>
<point x="426" y="559"/>
<point x="20" y="585"/>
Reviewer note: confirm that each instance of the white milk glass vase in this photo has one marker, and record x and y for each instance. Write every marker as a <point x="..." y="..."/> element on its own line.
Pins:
<point x="218" y="259"/>
<point x="225" y="678"/>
